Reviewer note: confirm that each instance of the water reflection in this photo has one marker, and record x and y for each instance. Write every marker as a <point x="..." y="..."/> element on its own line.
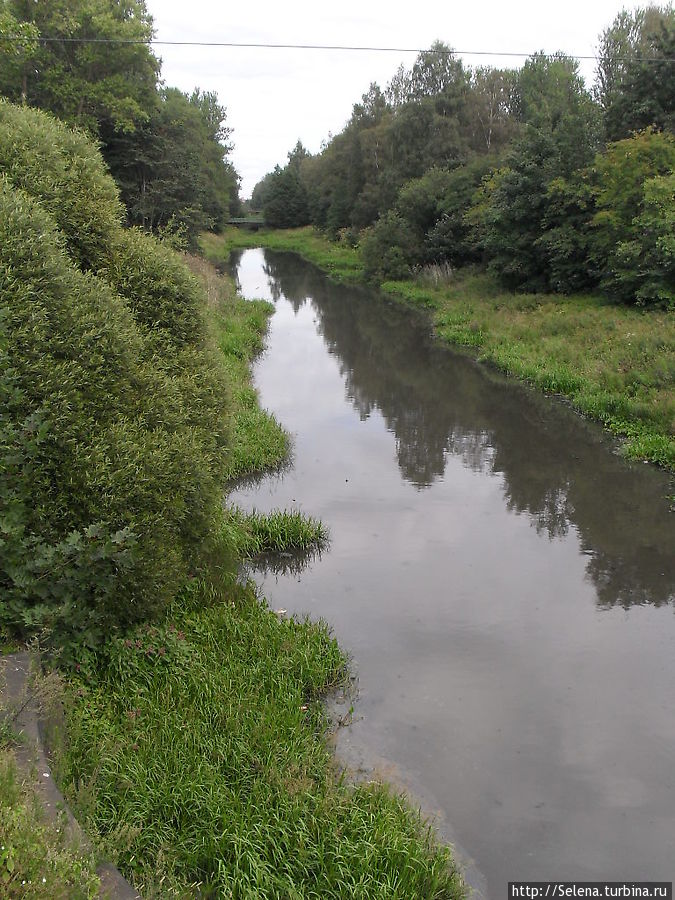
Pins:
<point x="556" y="468"/>
<point x="282" y="564"/>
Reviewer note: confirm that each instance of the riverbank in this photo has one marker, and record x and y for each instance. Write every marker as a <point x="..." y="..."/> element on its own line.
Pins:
<point x="614" y="364"/>
<point x="195" y="750"/>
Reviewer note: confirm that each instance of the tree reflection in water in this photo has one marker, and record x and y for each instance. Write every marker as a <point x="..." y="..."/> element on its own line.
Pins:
<point x="556" y="468"/>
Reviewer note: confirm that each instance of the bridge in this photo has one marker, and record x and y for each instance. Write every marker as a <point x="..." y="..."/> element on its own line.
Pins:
<point x="252" y="222"/>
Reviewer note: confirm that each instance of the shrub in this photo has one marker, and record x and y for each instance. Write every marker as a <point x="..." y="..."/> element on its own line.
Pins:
<point x="161" y="292"/>
<point x="390" y="248"/>
<point x="64" y="170"/>
<point x="109" y="486"/>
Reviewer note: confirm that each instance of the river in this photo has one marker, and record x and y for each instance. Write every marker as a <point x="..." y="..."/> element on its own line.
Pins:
<point x="502" y="579"/>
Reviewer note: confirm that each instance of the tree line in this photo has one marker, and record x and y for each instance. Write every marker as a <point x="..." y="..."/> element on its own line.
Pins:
<point x="167" y="150"/>
<point x="554" y="186"/>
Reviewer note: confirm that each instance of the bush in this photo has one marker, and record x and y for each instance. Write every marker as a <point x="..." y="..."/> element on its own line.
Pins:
<point x="391" y="248"/>
<point x="112" y="417"/>
<point x="64" y="170"/>
<point x="162" y="294"/>
<point x="437" y="204"/>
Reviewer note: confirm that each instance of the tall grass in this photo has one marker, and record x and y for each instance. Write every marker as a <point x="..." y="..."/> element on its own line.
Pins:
<point x="202" y="744"/>
<point x="37" y="862"/>
<point x="280" y="531"/>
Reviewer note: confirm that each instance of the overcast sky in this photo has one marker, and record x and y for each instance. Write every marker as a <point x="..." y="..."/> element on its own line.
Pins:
<point x="275" y="97"/>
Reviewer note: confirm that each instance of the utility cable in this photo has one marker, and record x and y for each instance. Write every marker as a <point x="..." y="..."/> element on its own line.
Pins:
<point x="327" y="47"/>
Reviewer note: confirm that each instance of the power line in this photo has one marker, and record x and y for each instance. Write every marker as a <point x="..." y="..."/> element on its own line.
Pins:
<point x="327" y="47"/>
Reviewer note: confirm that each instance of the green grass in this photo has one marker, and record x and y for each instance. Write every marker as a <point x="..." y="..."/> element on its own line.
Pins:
<point x="237" y="327"/>
<point x="202" y="742"/>
<point x="280" y="531"/>
<point x="614" y="363"/>
<point x="36" y="859"/>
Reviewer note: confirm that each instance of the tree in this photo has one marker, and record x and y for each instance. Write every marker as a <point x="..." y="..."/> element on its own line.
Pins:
<point x="436" y="72"/>
<point x="372" y="108"/>
<point x="647" y="95"/>
<point x="390" y="248"/>
<point x="550" y="95"/>
<point x="491" y="107"/>
<point x="568" y="233"/>
<point x="560" y="137"/>
<point x="19" y="44"/>
<point x="632" y="228"/>
<point x="285" y="202"/>
<point x="172" y="171"/>
<point x="81" y="81"/>
<point x="629" y="50"/>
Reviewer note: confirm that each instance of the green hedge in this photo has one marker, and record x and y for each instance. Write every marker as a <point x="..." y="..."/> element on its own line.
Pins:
<point x="113" y="408"/>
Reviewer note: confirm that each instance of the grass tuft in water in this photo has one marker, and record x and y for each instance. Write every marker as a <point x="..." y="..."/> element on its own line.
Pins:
<point x="280" y="531"/>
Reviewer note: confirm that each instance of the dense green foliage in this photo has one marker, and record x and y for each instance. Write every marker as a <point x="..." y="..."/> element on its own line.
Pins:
<point x="83" y="83"/>
<point x="282" y="196"/>
<point x="199" y="740"/>
<point x="632" y="227"/>
<point x="166" y="150"/>
<point x="171" y="170"/>
<point x="635" y="77"/>
<point x="513" y="169"/>
<point x="113" y="404"/>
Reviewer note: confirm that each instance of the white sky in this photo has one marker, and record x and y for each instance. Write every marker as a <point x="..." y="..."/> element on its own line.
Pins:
<point x="275" y="97"/>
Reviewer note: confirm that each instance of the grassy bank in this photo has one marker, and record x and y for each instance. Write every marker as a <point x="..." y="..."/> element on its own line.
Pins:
<point x="340" y="261"/>
<point x="196" y="750"/>
<point x="201" y="746"/>
<point x="236" y="328"/>
<point x="36" y="859"/>
<point x="615" y="364"/>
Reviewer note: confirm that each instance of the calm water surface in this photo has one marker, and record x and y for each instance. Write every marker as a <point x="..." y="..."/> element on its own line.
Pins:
<point x="502" y="579"/>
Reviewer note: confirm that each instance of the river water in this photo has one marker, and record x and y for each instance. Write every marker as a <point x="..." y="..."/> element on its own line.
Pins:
<point x="502" y="579"/>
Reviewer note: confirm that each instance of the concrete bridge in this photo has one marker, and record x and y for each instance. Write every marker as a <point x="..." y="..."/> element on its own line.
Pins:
<point x="252" y="222"/>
